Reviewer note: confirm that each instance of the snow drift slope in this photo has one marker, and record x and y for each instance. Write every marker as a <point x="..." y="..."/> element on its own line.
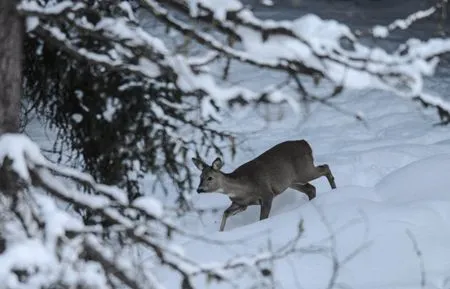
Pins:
<point x="406" y="212"/>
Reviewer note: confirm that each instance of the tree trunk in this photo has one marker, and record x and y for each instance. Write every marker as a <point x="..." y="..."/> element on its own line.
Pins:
<point x="11" y="47"/>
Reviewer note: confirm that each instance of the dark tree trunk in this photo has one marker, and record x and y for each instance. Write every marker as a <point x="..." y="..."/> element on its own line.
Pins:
<point x="11" y="37"/>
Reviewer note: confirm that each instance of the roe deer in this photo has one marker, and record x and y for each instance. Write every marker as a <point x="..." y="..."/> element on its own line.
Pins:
<point x="286" y="165"/>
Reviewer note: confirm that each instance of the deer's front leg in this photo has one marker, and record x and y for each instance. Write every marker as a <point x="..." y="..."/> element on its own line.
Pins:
<point x="233" y="209"/>
<point x="266" y="205"/>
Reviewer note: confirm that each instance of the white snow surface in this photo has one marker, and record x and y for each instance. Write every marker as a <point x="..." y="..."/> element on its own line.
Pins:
<point x="392" y="200"/>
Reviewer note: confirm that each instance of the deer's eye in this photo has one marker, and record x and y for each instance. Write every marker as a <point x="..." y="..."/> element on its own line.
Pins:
<point x="209" y="178"/>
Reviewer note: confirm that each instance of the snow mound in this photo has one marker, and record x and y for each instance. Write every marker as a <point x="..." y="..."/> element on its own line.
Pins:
<point x="423" y="180"/>
<point x="394" y="235"/>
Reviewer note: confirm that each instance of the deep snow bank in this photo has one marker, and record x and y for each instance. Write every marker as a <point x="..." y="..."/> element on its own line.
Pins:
<point x="410" y="205"/>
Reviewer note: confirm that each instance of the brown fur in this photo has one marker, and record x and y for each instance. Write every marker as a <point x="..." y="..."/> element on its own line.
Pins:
<point x="289" y="164"/>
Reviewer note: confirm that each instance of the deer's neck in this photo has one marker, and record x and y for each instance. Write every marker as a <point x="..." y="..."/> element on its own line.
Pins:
<point x="233" y="186"/>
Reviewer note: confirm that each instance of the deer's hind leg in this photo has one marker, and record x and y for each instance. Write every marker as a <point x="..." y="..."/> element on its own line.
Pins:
<point x="324" y="170"/>
<point x="307" y="188"/>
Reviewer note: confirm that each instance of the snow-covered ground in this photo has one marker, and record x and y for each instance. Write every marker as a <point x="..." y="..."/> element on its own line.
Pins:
<point x="388" y="222"/>
<point x="392" y="200"/>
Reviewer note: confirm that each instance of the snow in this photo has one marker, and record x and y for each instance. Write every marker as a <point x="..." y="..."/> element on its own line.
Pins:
<point x="112" y="104"/>
<point x="52" y="8"/>
<point x="380" y="31"/>
<point x="76" y="117"/>
<point x="193" y="8"/>
<point x="267" y="2"/>
<point x="383" y="31"/>
<point x="58" y="222"/>
<point x="19" y="149"/>
<point x="392" y="200"/>
<point x="219" y="7"/>
<point x="308" y="41"/>
<point x="149" y="205"/>
<point x="31" y="23"/>
<point x="151" y="69"/>
<point x="126" y="7"/>
<point x="28" y="255"/>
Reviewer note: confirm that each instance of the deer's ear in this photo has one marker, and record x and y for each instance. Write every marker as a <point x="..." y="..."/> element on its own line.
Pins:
<point x="199" y="163"/>
<point x="217" y="164"/>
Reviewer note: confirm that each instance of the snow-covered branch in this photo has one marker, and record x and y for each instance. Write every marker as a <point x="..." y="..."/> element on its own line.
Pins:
<point x="155" y="58"/>
<point x="306" y="46"/>
<point x="315" y="43"/>
<point x="383" y="31"/>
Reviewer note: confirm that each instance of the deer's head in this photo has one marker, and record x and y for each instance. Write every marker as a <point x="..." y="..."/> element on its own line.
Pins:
<point x="211" y="175"/>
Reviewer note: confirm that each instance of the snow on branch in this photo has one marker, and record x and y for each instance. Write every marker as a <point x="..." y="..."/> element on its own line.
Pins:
<point x="317" y="44"/>
<point x="46" y="244"/>
<point x="55" y="8"/>
<point x="440" y="105"/>
<point x="154" y="57"/>
<point x="307" y="46"/>
<point x="383" y="31"/>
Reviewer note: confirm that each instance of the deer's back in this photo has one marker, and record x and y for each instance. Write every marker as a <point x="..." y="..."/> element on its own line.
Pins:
<point x="278" y="166"/>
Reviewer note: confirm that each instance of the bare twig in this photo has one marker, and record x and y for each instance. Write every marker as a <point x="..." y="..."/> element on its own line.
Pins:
<point x="419" y="255"/>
